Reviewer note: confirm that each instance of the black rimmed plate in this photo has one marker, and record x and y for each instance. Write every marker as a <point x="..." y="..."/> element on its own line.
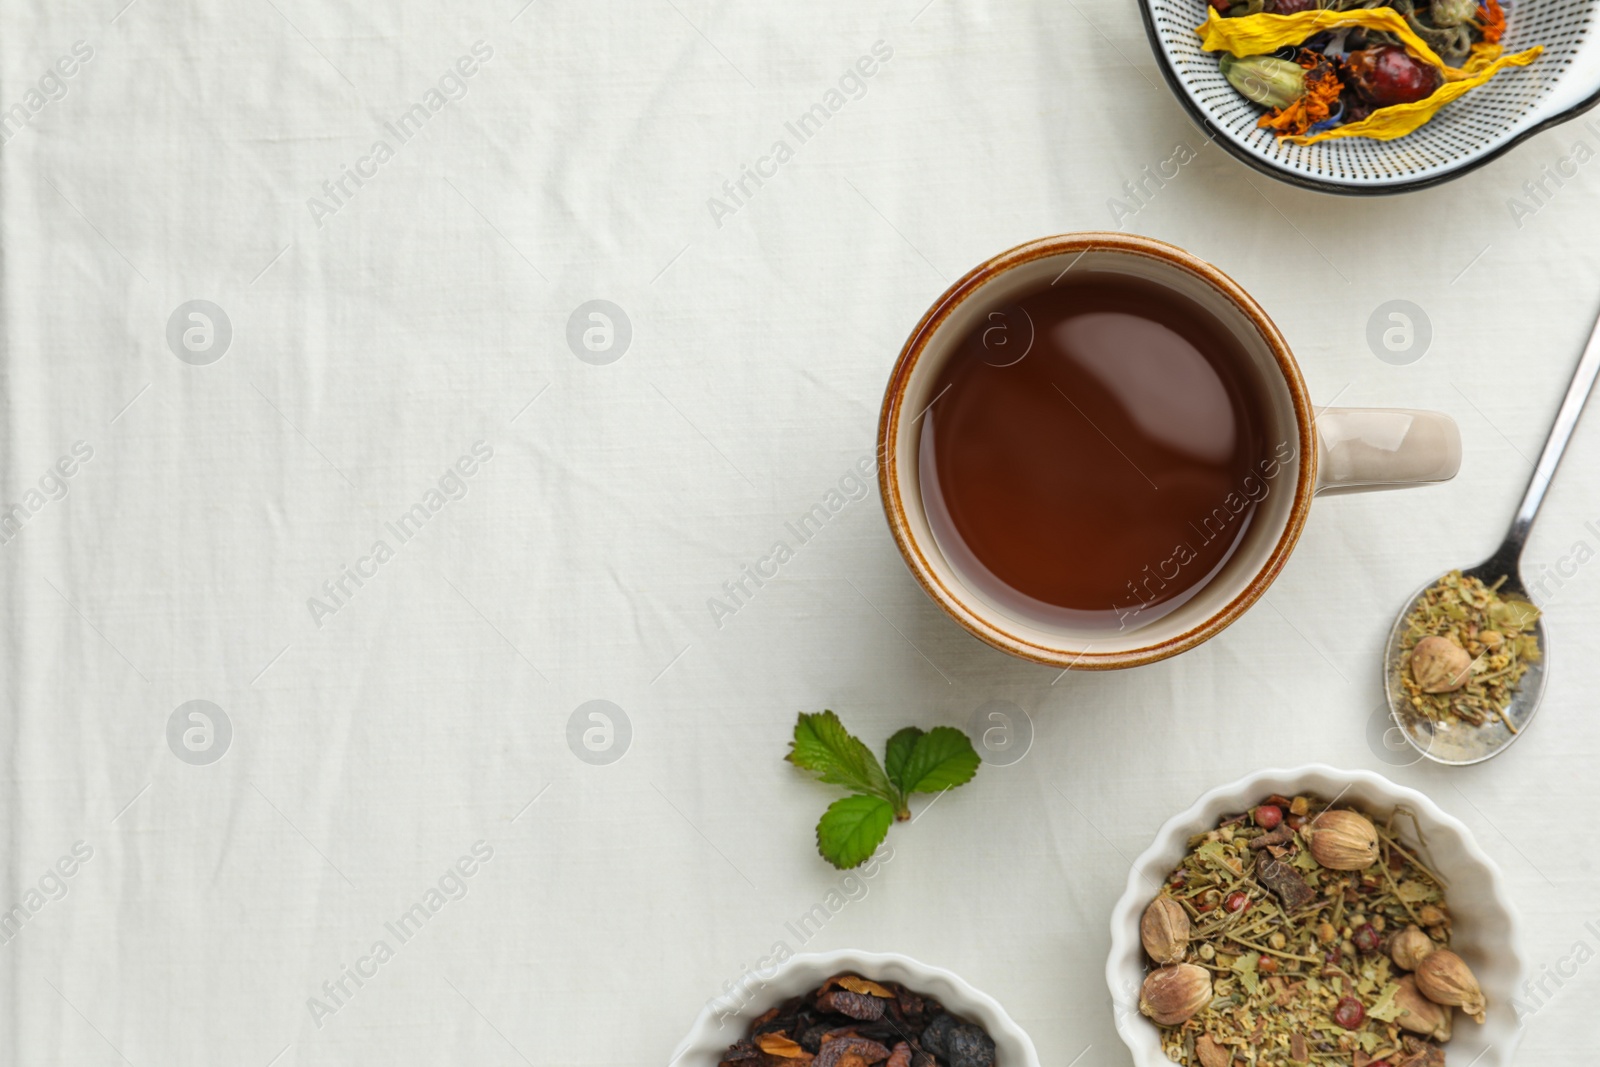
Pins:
<point x="1517" y="103"/>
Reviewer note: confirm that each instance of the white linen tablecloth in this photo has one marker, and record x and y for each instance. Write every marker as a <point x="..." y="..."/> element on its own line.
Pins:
<point x="397" y="216"/>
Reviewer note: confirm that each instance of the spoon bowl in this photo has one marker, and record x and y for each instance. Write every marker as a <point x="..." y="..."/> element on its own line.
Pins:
<point x="1463" y="743"/>
<point x="1460" y="744"/>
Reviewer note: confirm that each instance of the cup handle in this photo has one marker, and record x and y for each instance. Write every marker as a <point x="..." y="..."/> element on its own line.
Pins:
<point x="1362" y="449"/>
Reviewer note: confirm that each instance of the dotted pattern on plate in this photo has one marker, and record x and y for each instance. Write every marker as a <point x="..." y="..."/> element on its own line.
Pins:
<point x="1485" y="118"/>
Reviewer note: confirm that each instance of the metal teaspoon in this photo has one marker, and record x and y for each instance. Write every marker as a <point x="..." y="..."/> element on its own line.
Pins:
<point x="1462" y="743"/>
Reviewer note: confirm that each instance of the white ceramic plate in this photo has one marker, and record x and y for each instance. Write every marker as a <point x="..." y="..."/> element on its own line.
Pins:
<point x="1484" y="931"/>
<point x="713" y="1031"/>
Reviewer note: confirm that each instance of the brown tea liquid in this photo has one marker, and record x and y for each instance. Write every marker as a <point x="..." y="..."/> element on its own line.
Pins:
<point x="1093" y="457"/>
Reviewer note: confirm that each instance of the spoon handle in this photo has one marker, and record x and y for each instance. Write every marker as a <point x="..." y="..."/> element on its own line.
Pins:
<point x="1556" y="444"/>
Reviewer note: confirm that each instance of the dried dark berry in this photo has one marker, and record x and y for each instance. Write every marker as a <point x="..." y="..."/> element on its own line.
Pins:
<point x="969" y="1047"/>
<point x="911" y="1006"/>
<point x="811" y="1037"/>
<point x="837" y="1027"/>
<point x="933" y="1038"/>
<point x="740" y="1052"/>
<point x="1366" y="938"/>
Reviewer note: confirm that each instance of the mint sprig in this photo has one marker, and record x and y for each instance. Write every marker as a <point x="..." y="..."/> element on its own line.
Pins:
<point x="914" y="762"/>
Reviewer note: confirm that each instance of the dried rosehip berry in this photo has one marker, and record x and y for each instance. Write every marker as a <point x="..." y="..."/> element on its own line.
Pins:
<point x="1333" y="957"/>
<point x="1366" y="938"/>
<point x="1387" y="75"/>
<point x="1349" y="1013"/>
<point x="1267" y="965"/>
<point x="1237" y="901"/>
<point x="1268" y="816"/>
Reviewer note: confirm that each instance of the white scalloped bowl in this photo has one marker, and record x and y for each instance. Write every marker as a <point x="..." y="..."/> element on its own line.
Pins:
<point x="713" y="1032"/>
<point x="1485" y="929"/>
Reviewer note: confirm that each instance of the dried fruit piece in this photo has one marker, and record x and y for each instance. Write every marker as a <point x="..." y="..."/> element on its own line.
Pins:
<point x="1281" y="836"/>
<point x="1284" y="881"/>
<point x="1342" y="840"/>
<point x="781" y="1044"/>
<point x="1444" y="978"/>
<point x="1237" y="901"/>
<point x="1172" y="995"/>
<point x="1440" y="665"/>
<point x="861" y="985"/>
<point x="842" y="1050"/>
<point x="1410" y="947"/>
<point x="1366" y="938"/>
<point x="1212" y="1054"/>
<point x="1164" y="929"/>
<point x="855" y="1005"/>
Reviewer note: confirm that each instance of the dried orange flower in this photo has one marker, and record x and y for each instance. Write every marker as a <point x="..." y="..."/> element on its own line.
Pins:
<point x="1322" y="92"/>
<point x="1492" y="21"/>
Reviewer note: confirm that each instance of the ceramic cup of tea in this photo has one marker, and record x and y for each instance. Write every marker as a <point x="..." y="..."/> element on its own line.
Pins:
<point x="1097" y="451"/>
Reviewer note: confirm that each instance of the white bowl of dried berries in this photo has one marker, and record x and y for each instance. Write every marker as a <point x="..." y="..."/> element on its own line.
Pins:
<point x="1321" y="913"/>
<point x="831" y="1008"/>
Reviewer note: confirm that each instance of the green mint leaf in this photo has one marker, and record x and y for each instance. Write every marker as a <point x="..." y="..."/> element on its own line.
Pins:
<point x="897" y="752"/>
<point x="823" y="746"/>
<point x="943" y="758"/>
<point x="852" y="829"/>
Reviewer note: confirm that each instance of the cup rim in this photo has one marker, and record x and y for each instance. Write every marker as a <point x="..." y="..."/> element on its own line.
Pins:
<point x="957" y="602"/>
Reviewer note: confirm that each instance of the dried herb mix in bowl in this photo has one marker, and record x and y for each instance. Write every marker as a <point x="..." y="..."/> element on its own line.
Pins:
<point x="850" y="1021"/>
<point x="1356" y="68"/>
<point x="1466" y="648"/>
<point x="1304" y="933"/>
